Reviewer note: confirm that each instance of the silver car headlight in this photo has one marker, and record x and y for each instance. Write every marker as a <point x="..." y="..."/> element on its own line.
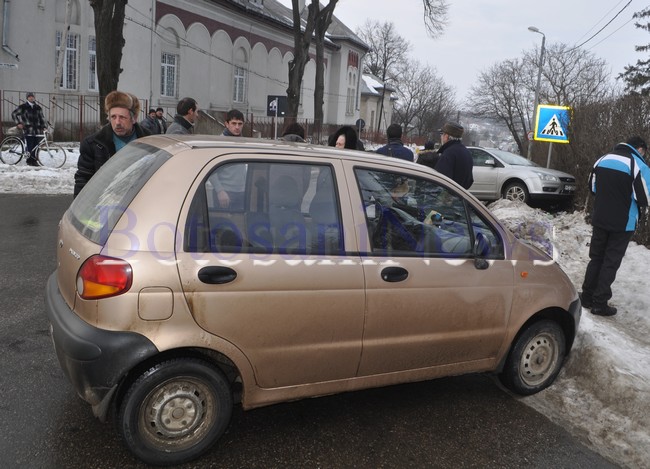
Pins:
<point x="547" y="177"/>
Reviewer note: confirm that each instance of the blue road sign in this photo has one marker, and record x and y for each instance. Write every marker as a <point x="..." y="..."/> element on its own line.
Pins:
<point x="551" y="123"/>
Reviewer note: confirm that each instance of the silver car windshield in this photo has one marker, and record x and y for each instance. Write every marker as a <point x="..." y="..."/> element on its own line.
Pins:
<point x="512" y="159"/>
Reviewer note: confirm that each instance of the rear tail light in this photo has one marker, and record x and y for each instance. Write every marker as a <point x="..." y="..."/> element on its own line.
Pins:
<point x="103" y="277"/>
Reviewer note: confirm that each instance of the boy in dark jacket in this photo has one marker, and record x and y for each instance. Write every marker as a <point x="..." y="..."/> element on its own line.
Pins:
<point x="395" y="147"/>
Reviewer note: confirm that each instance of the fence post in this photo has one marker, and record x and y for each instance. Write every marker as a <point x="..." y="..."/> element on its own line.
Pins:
<point x="81" y="116"/>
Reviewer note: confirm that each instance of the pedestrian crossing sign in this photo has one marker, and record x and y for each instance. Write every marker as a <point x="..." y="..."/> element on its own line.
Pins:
<point x="551" y="123"/>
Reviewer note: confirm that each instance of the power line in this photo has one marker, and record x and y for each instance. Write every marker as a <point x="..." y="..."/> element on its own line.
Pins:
<point x="601" y="19"/>
<point x="601" y="29"/>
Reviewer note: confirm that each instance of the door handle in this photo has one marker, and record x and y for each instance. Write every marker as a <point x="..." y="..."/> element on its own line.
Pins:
<point x="394" y="274"/>
<point x="217" y="275"/>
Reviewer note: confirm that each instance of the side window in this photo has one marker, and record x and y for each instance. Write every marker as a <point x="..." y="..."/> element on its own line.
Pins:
<point x="411" y="216"/>
<point x="267" y="207"/>
<point x="480" y="157"/>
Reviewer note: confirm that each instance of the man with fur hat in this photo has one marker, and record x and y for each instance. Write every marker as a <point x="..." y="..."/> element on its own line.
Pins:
<point x="455" y="159"/>
<point x="29" y="118"/>
<point x="95" y="150"/>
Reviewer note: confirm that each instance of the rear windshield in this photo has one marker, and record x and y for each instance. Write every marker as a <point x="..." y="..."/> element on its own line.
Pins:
<point x="99" y="206"/>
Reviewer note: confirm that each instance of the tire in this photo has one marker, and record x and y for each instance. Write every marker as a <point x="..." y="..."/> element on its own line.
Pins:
<point x="535" y="358"/>
<point x="11" y="150"/>
<point x="175" y="411"/>
<point x="517" y="192"/>
<point x="51" y="156"/>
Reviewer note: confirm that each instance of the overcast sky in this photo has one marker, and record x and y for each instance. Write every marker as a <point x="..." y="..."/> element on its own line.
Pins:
<point x="481" y="33"/>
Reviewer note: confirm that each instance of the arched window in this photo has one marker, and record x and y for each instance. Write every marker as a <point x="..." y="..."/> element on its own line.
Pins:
<point x="240" y="76"/>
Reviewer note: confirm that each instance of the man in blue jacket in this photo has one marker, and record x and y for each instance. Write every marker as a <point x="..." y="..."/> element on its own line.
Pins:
<point x="395" y="147"/>
<point x="620" y="181"/>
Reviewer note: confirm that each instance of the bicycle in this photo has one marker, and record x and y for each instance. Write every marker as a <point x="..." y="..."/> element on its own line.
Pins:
<point x="48" y="154"/>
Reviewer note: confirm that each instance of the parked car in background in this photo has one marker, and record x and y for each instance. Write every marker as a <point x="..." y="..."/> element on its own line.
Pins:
<point x="318" y="271"/>
<point x="501" y="174"/>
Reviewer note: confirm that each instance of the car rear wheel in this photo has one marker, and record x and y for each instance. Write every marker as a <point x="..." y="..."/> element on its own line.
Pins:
<point x="517" y="192"/>
<point x="535" y="358"/>
<point x="175" y="411"/>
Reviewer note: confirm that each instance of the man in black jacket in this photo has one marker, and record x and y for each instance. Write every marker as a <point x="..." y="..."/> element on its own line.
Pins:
<point x="455" y="160"/>
<point x="29" y="118"/>
<point x="95" y="150"/>
<point x="620" y="181"/>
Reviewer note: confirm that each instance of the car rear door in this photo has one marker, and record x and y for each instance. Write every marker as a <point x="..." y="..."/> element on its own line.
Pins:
<point x="429" y="304"/>
<point x="273" y="276"/>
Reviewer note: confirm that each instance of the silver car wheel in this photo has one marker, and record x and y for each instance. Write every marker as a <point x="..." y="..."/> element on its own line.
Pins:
<point x="516" y="192"/>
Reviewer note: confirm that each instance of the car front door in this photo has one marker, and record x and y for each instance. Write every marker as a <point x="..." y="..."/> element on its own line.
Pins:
<point x="271" y="273"/>
<point x="429" y="304"/>
<point x="486" y="175"/>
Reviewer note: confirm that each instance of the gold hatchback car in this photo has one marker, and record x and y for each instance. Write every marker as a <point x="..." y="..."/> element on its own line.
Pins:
<point x="198" y="272"/>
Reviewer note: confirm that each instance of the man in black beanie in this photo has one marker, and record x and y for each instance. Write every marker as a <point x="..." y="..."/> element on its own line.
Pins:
<point x="455" y="159"/>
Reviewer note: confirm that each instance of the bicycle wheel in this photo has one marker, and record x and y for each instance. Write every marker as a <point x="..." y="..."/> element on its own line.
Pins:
<point x="11" y="150"/>
<point x="51" y="155"/>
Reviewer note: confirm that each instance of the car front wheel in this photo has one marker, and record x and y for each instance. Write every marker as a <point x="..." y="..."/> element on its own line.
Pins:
<point x="535" y="358"/>
<point x="175" y="411"/>
<point x="517" y="192"/>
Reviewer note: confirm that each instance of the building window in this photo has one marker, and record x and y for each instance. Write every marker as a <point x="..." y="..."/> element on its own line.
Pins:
<point x="92" y="64"/>
<point x="350" y="104"/>
<point x="69" y="75"/>
<point x="168" y="74"/>
<point x="239" y="85"/>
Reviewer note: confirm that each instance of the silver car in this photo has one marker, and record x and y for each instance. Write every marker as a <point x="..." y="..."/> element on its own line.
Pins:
<point x="501" y="174"/>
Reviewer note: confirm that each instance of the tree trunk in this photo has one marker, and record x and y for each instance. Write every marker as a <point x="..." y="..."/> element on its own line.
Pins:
<point x="322" y="24"/>
<point x="301" y="41"/>
<point x="109" y="24"/>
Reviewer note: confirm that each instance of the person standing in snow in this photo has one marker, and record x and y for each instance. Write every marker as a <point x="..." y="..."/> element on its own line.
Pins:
<point x="620" y="181"/>
<point x="455" y="159"/>
<point x="395" y="147"/>
<point x="29" y="118"/>
<point x="95" y="150"/>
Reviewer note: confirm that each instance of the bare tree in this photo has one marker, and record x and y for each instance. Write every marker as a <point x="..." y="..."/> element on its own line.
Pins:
<point x="637" y="77"/>
<point x="109" y="24"/>
<point x="571" y="77"/>
<point x="504" y="91"/>
<point x="388" y="50"/>
<point x="425" y="101"/>
<point x="435" y="16"/>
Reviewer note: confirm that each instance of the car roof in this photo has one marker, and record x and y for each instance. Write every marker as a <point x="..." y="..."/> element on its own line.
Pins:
<point x="176" y="143"/>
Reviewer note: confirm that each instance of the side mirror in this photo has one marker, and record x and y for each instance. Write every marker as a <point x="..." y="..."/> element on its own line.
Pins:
<point x="490" y="163"/>
<point x="481" y="250"/>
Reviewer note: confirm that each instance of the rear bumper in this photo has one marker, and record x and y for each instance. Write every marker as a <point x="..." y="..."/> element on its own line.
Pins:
<point x="94" y="360"/>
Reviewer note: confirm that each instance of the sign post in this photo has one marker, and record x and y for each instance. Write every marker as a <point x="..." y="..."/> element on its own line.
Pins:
<point x="551" y="124"/>
<point x="276" y="106"/>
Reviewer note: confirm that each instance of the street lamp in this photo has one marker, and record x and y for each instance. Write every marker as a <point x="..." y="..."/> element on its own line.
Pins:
<point x="539" y="80"/>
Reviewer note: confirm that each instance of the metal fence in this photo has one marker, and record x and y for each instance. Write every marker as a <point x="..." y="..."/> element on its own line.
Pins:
<point x="75" y="116"/>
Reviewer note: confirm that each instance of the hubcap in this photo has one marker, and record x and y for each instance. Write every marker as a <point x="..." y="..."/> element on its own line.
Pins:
<point x="539" y="359"/>
<point x="178" y="412"/>
<point x="516" y="194"/>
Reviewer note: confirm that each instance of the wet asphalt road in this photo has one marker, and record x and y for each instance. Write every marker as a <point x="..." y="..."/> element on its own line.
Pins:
<point x="464" y="422"/>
